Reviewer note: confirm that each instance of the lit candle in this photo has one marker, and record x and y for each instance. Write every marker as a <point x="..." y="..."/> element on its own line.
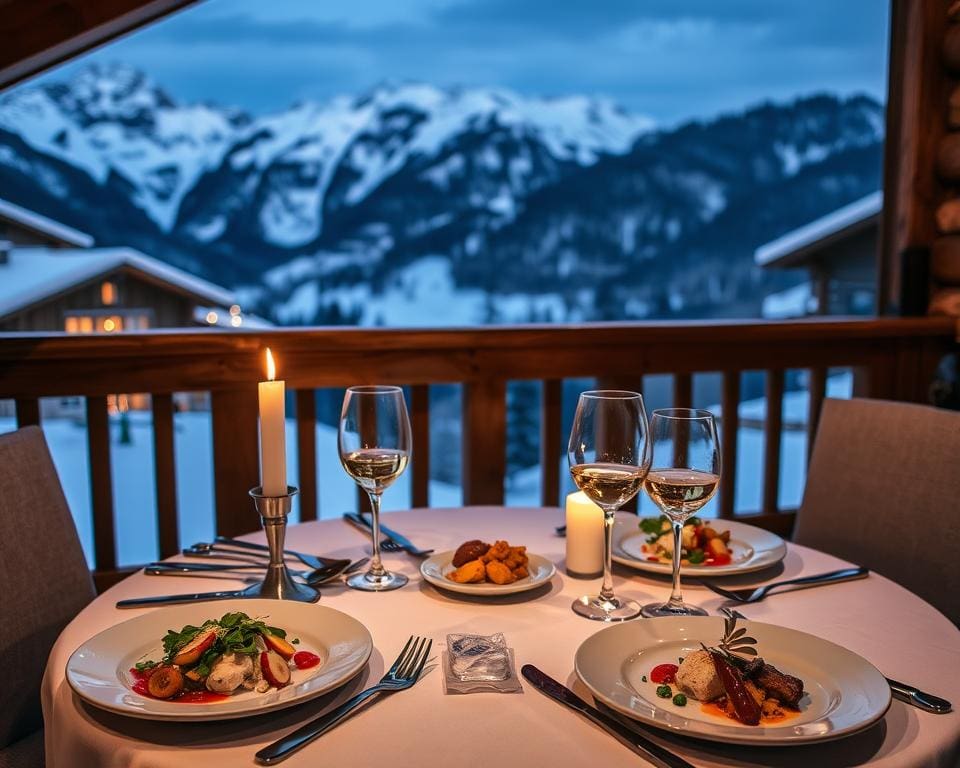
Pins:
<point x="273" y="447"/>
<point x="584" y="536"/>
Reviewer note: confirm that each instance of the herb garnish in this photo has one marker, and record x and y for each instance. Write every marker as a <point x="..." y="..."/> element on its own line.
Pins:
<point x="734" y="643"/>
<point x="236" y="632"/>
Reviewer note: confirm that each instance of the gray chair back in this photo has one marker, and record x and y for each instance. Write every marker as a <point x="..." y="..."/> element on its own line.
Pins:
<point x="883" y="491"/>
<point x="36" y="534"/>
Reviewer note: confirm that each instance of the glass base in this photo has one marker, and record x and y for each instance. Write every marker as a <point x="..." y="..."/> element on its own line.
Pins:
<point x="601" y="609"/>
<point x="368" y="582"/>
<point x="657" y="610"/>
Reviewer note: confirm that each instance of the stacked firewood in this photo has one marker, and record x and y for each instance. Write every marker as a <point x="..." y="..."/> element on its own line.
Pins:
<point x="945" y="252"/>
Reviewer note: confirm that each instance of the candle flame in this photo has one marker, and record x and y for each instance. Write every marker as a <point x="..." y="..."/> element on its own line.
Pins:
<point x="271" y="367"/>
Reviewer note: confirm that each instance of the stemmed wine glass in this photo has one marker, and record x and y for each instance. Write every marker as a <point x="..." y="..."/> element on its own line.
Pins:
<point x="609" y="458"/>
<point x="374" y="442"/>
<point x="684" y="476"/>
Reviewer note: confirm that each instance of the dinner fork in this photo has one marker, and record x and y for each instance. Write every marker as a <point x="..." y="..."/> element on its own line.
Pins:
<point x="404" y="672"/>
<point x="314" y="561"/>
<point x="756" y="594"/>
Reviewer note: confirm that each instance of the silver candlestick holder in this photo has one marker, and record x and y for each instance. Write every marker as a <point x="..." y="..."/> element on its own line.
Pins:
<point x="278" y="584"/>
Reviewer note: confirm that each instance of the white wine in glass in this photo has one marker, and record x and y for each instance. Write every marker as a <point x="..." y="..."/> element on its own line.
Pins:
<point x="684" y="476"/>
<point x="609" y="457"/>
<point x="374" y="442"/>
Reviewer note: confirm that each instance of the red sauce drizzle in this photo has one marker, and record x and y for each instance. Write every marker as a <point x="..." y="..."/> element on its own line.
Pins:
<point x="305" y="659"/>
<point x="664" y="674"/>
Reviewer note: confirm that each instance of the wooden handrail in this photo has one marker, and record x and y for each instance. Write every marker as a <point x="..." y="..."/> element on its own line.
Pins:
<point x="891" y="357"/>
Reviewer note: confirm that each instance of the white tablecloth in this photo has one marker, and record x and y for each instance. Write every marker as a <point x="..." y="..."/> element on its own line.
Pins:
<point x="903" y="636"/>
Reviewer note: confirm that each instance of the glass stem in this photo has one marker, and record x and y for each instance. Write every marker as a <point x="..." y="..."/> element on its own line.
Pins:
<point x="376" y="567"/>
<point x="606" y="590"/>
<point x="676" y="600"/>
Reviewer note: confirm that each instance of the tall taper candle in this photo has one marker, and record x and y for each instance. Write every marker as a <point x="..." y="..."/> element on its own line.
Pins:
<point x="273" y="445"/>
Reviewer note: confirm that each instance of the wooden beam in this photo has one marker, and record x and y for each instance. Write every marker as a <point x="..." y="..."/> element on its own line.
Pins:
<point x="307" y="453"/>
<point x="771" y="440"/>
<point x="551" y="414"/>
<point x="38" y="34"/>
<point x="164" y="462"/>
<point x="484" y="438"/>
<point x="101" y="484"/>
<point x="28" y="412"/>
<point x="420" y="426"/>
<point x="236" y="466"/>
<point x="729" y="429"/>
<point x="918" y="88"/>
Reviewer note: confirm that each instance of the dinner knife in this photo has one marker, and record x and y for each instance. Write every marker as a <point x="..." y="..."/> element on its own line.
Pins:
<point x="398" y="538"/>
<point x="142" y="602"/>
<point x="644" y="747"/>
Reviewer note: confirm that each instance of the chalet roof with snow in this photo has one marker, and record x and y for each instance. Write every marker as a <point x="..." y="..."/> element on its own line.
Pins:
<point x="42" y="226"/>
<point x="794" y="248"/>
<point x="31" y="275"/>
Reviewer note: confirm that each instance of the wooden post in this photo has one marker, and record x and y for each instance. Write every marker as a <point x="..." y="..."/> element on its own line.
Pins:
<point x="236" y="466"/>
<point x="484" y="441"/>
<point x="164" y="463"/>
<point x="307" y="453"/>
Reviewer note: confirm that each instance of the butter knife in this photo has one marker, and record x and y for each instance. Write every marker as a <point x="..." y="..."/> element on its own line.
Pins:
<point x="659" y="756"/>
<point x="399" y="539"/>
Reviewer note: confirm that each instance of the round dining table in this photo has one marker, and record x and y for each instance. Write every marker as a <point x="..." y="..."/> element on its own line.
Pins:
<point x="903" y="636"/>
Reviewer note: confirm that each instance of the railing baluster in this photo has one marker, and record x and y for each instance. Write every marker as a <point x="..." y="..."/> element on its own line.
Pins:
<point x="629" y="384"/>
<point x="235" y="462"/>
<point x="28" y="412"/>
<point x="101" y="484"/>
<point x="817" y="391"/>
<point x="484" y="446"/>
<point x="307" y="453"/>
<point x="165" y="475"/>
<point x="771" y="440"/>
<point x="682" y="390"/>
<point x="420" y="424"/>
<point x="551" y="413"/>
<point x="729" y="428"/>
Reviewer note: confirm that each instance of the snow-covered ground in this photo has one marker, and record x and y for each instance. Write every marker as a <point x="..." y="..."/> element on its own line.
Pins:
<point x="133" y="476"/>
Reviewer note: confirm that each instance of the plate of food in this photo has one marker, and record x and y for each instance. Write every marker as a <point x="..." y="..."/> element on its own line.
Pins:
<point x="710" y="547"/>
<point x="755" y="683"/>
<point x="220" y="661"/>
<point x="479" y="568"/>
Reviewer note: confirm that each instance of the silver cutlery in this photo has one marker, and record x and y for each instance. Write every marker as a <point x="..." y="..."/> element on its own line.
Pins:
<point x="756" y="594"/>
<point x="257" y="558"/>
<point x="644" y="747"/>
<point x="252" y="591"/>
<point x="398" y="539"/>
<point x="904" y="692"/>
<point x="316" y="576"/>
<point x="404" y="672"/>
<point x="313" y="561"/>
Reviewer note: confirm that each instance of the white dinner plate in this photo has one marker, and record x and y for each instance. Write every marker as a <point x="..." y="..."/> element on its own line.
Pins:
<point x="751" y="549"/>
<point x="99" y="670"/>
<point x="434" y="569"/>
<point x="843" y="693"/>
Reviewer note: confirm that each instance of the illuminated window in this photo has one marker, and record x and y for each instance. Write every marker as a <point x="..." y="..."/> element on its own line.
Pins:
<point x="110" y="324"/>
<point x="108" y="294"/>
<point x="72" y="325"/>
<point x="86" y="325"/>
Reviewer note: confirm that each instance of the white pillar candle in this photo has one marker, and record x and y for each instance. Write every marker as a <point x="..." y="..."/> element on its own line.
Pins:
<point x="584" y="536"/>
<point x="273" y="443"/>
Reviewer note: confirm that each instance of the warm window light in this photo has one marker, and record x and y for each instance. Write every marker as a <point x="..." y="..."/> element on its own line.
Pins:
<point x="235" y="321"/>
<point x="86" y="325"/>
<point x="235" y="310"/>
<point x="109" y="325"/>
<point x="212" y="317"/>
<point x="72" y="325"/>
<point x="271" y="368"/>
<point x="108" y="294"/>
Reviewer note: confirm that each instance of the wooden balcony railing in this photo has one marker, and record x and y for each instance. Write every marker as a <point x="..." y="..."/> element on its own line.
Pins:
<point x="891" y="358"/>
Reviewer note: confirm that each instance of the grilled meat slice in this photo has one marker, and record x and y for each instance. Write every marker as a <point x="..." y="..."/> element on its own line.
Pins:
<point x="787" y="689"/>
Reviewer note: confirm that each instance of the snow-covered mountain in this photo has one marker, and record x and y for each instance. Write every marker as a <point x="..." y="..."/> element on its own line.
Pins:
<point x="324" y="210"/>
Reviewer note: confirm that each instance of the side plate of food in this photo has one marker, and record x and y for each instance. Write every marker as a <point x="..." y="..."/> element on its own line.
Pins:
<point x="710" y="547"/>
<point x="216" y="661"/>
<point x="479" y="568"/>
<point x="751" y="683"/>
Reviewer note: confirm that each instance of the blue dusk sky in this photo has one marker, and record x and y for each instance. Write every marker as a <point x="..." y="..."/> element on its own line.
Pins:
<point x="669" y="59"/>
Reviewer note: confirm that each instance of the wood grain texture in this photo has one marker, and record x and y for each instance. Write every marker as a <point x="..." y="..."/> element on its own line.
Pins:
<point x="307" y="453"/>
<point x="484" y="437"/>
<point x="101" y="484"/>
<point x="165" y="474"/>
<point x="236" y="466"/>
<point x="551" y="445"/>
<point x="773" y="428"/>
<point x="729" y="429"/>
<point x="420" y="424"/>
<point x="28" y="412"/>
<point x="817" y="391"/>
<point x="682" y="390"/>
<point x="945" y="260"/>
<point x="38" y="34"/>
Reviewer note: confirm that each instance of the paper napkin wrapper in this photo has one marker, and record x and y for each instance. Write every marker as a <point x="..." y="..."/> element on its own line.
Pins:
<point x="474" y="663"/>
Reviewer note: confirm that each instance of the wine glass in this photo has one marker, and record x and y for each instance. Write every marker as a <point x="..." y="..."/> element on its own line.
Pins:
<point x="374" y="442"/>
<point x="684" y="476"/>
<point x="609" y="458"/>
